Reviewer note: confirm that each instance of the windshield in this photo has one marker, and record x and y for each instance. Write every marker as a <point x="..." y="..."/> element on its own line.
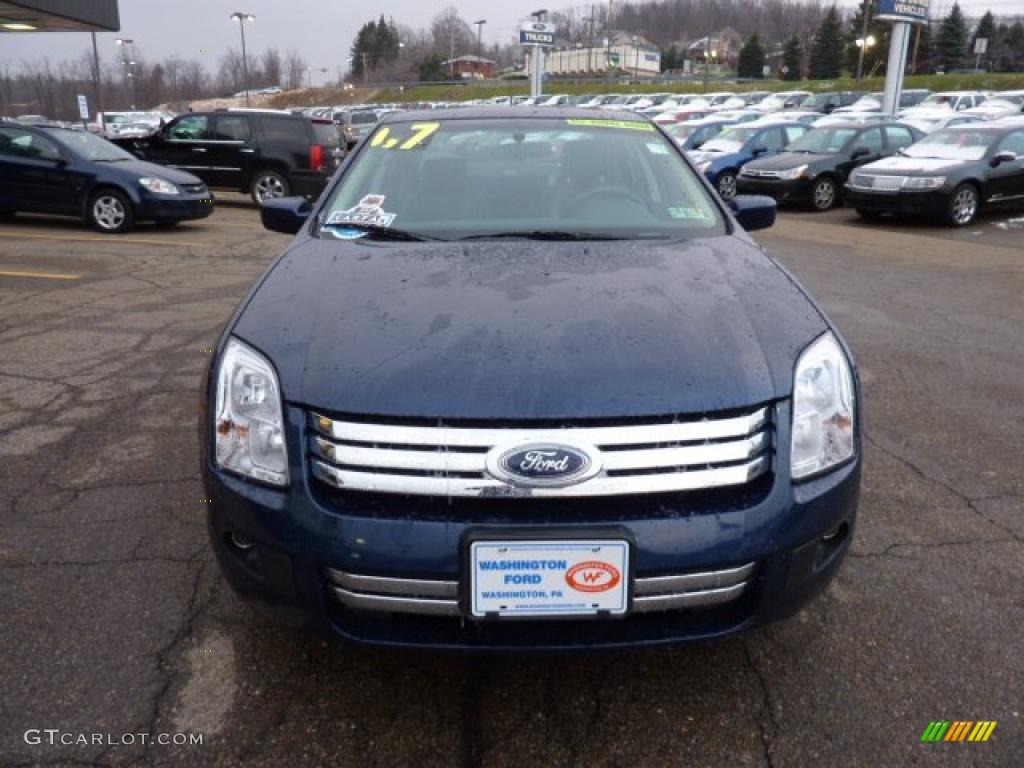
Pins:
<point x="938" y="100"/>
<point x="90" y="146"/>
<point x="956" y="144"/>
<point x="531" y="177"/>
<point x="364" y="118"/>
<point x="729" y="140"/>
<point x="823" y="140"/>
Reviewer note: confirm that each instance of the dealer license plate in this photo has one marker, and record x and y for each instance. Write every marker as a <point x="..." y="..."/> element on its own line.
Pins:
<point x="549" y="578"/>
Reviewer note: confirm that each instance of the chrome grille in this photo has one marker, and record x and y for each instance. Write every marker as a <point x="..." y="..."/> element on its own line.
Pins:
<point x="878" y="183"/>
<point x="754" y="173"/>
<point x="452" y="461"/>
<point x="440" y="598"/>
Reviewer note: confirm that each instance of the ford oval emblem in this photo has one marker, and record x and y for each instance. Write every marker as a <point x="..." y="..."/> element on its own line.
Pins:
<point x="538" y="27"/>
<point x="549" y="465"/>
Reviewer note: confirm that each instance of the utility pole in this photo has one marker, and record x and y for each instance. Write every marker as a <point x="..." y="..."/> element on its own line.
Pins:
<point x="590" y="40"/>
<point x="864" y="37"/>
<point x="126" y="61"/>
<point x="451" y="48"/>
<point x="97" y="76"/>
<point x="707" y="51"/>
<point x="608" y="43"/>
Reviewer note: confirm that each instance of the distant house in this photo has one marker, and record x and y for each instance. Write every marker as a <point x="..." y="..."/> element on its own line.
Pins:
<point x="724" y="48"/>
<point x="471" y="67"/>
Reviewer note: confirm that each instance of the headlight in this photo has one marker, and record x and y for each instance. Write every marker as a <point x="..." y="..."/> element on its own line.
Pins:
<point x="823" y="409"/>
<point x="248" y="423"/>
<point x="793" y="173"/>
<point x="159" y="186"/>
<point x="703" y="166"/>
<point x="923" y="182"/>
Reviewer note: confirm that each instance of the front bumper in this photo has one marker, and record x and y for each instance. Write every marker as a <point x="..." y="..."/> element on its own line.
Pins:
<point x="782" y="190"/>
<point x="176" y="208"/>
<point x="309" y="183"/>
<point x="909" y="203"/>
<point x="796" y="537"/>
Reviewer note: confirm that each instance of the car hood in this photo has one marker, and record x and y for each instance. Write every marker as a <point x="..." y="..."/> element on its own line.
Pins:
<point x="141" y="168"/>
<point x="698" y="156"/>
<point x="897" y="164"/>
<point x="786" y="160"/>
<point x="524" y="329"/>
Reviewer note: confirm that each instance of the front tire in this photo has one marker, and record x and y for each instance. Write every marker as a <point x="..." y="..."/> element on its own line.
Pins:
<point x="267" y="185"/>
<point x="824" y="194"/>
<point x="963" y="205"/>
<point x="726" y="186"/>
<point x="110" y="212"/>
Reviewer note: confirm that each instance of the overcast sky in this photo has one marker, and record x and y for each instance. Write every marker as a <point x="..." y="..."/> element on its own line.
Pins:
<point x="322" y="30"/>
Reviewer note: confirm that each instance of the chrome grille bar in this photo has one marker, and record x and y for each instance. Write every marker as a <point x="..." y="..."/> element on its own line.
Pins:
<point x="452" y="461"/>
<point x="439" y="598"/>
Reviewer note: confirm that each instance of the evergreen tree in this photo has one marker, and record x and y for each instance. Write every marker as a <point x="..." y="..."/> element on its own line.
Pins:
<point x="923" y="55"/>
<point x="827" y="50"/>
<point x="752" y="57"/>
<point x="1014" y="48"/>
<point x="951" y="45"/>
<point x="986" y="30"/>
<point x="376" y="43"/>
<point x="432" y="69"/>
<point x="792" y="60"/>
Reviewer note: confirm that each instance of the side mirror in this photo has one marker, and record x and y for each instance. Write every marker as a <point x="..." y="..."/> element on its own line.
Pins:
<point x="860" y="152"/>
<point x="759" y="150"/>
<point x="753" y="212"/>
<point x="285" y="214"/>
<point x="1002" y="157"/>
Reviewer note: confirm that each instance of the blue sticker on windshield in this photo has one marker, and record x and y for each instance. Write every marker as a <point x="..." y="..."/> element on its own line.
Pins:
<point x="369" y="212"/>
<point x="348" y="233"/>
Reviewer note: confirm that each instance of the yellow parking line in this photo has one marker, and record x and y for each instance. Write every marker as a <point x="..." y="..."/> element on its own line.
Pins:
<point x="110" y="239"/>
<point x="42" y="275"/>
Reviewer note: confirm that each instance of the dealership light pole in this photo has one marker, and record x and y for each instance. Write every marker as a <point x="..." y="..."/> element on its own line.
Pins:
<point x="244" y="18"/>
<point x="537" y="81"/>
<point x="127" y="63"/>
<point x="97" y="76"/>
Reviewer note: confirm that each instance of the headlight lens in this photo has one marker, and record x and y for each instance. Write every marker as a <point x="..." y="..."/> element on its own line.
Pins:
<point x="159" y="186"/>
<point x="248" y="424"/>
<point x="823" y="409"/>
<point x="703" y="166"/>
<point x="923" y="182"/>
<point x="793" y="173"/>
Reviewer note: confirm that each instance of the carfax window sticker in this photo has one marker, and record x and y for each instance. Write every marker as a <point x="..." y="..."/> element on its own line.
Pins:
<point x="628" y="125"/>
<point x="657" y="148"/>
<point x="393" y="136"/>
<point x="368" y="212"/>
<point x="688" y="213"/>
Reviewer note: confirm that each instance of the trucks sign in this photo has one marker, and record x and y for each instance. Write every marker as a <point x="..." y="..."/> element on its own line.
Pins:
<point x="912" y="11"/>
<point x="537" y="33"/>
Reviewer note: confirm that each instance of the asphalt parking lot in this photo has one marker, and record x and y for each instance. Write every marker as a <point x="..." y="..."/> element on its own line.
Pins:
<point x="114" y="618"/>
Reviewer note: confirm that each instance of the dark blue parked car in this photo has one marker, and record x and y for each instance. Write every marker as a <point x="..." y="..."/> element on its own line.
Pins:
<point x="721" y="158"/>
<point x="522" y="381"/>
<point x="74" y="173"/>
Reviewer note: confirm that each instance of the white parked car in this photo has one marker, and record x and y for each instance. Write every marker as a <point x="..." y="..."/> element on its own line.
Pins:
<point x="999" y="105"/>
<point x="946" y="101"/>
<point x="861" y="118"/>
<point x="933" y="122"/>
<point x="781" y="100"/>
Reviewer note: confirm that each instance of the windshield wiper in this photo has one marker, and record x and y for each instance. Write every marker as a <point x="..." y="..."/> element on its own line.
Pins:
<point x="378" y="232"/>
<point x="544" y="234"/>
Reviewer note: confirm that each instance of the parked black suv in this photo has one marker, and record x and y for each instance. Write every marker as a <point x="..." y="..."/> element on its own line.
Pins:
<point x="266" y="153"/>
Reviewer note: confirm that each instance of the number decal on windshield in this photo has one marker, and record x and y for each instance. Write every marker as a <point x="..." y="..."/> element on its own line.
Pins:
<point x="383" y="139"/>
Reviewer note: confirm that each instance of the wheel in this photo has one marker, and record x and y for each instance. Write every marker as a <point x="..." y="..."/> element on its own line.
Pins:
<point x="824" y="194"/>
<point x="864" y="213"/>
<point x="963" y="205"/>
<point x="110" y="211"/>
<point x="267" y="184"/>
<point x="726" y="186"/>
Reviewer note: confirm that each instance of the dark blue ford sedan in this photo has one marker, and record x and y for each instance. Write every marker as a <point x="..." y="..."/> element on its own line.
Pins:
<point x="523" y="382"/>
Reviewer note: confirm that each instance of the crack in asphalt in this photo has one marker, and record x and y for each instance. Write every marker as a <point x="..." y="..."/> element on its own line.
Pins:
<point x="968" y="501"/>
<point x="766" y="723"/>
